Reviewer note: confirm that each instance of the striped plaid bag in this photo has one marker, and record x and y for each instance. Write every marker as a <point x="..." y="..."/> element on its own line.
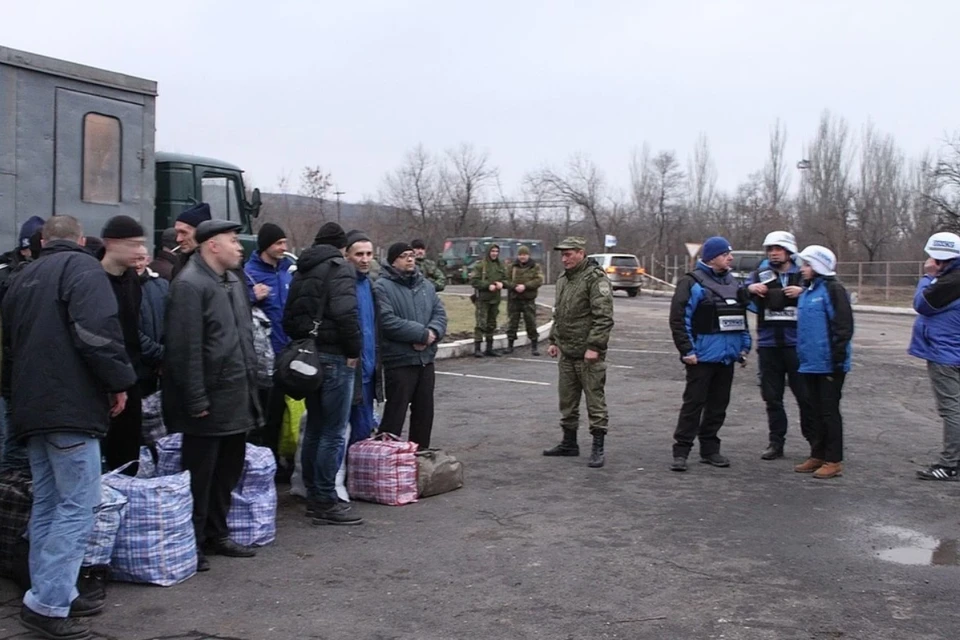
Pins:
<point x="383" y="469"/>
<point x="155" y="543"/>
<point x="252" y="519"/>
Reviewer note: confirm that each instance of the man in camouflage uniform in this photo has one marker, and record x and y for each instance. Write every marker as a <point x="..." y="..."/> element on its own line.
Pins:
<point x="582" y="322"/>
<point x="526" y="278"/>
<point x="428" y="267"/>
<point x="488" y="277"/>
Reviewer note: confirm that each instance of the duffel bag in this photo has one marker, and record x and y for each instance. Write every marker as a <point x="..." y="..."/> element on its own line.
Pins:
<point x="438" y="472"/>
<point x="252" y="519"/>
<point x="152" y="425"/>
<point x="155" y="543"/>
<point x="383" y="469"/>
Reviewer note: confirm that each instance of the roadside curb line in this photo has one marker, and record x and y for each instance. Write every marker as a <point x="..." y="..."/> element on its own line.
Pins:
<point x="462" y="348"/>
<point x="890" y="311"/>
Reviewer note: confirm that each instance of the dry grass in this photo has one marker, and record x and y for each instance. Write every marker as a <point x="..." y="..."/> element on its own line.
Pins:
<point x="461" y="316"/>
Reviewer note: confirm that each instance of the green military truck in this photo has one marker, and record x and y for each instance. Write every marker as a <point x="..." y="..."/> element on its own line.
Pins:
<point x="79" y="141"/>
<point x="459" y="254"/>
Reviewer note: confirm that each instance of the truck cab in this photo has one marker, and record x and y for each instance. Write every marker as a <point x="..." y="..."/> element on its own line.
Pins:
<point x="185" y="180"/>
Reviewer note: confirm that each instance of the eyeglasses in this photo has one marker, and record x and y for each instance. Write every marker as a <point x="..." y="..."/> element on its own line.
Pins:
<point x="407" y="255"/>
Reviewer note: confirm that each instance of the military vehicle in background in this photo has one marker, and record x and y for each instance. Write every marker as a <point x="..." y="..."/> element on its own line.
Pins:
<point x="459" y="254"/>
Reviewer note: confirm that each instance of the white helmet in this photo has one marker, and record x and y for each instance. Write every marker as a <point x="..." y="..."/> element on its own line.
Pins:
<point x="821" y="259"/>
<point x="943" y="246"/>
<point x="783" y="239"/>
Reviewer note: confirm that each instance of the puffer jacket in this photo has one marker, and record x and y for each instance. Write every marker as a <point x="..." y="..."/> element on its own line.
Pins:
<point x="583" y="311"/>
<point x="937" y="327"/>
<point x="824" y="327"/>
<point x="325" y="280"/>
<point x="65" y="349"/>
<point x="209" y="363"/>
<point x="278" y="279"/>
<point x="721" y="347"/>
<point x="409" y="307"/>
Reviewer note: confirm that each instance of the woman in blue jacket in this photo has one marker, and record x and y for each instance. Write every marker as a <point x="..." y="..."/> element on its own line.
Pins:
<point x="824" y="334"/>
<point x="935" y="331"/>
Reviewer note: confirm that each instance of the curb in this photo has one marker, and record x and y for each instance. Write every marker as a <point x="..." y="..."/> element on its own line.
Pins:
<point x="462" y="348"/>
<point x="890" y="311"/>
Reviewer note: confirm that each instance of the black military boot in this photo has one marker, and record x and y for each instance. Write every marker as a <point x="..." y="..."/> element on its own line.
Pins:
<point x="534" y="351"/>
<point x="568" y="447"/>
<point x="490" y="353"/>
<point x="509" y="346"/>
<point x="596" y="454"/>
<point x="476" y="349"/>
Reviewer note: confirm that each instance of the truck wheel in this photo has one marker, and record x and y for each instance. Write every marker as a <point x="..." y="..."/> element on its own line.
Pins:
<point x="633" y="293"/>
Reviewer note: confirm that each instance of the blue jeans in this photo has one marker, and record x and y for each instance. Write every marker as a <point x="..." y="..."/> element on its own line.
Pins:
<point x="362" y="423"/>
<point x="66" y="491"/>
<point x="13" y="455"/>
<point x="327" y="413"/>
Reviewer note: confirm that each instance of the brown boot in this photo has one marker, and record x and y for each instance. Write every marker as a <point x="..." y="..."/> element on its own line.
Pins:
<point x="829" y="470"/>
<point x="811" y="465"/>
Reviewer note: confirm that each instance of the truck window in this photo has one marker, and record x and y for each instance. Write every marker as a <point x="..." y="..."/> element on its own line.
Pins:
<point x="220" y="193"/>
<point x="101" y="159"/>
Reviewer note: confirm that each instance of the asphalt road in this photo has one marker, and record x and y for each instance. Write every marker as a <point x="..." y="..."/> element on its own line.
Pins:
<point x="534" y="547"/>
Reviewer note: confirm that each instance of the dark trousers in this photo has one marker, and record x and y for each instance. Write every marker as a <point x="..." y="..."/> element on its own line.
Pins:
<point x="826" y="425"/>
<point x="778" y="367"/>
<point x="215" y="464"/>
<point x="274" y="404"/>
<point x="125" y="434"/>
<point x="704" y="409"/>
<point x="410" y="387"/>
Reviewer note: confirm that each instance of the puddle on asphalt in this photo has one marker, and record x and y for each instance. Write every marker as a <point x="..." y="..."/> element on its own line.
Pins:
<point x="919" y="549"/>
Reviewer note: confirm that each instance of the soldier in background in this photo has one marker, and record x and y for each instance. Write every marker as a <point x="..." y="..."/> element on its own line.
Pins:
<point x="582" y="322"/>
<point x="488" y="278"/>
<point x="428" y="267"/>
<point x="526" y="278"/>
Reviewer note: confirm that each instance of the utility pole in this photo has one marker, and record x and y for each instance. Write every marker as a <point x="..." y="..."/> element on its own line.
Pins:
<point x="338" y="193"/>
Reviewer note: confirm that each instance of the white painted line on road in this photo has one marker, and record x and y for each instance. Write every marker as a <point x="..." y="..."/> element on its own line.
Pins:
<point x="554" y="362"/>
<point x="616" y="336"/>
<point x="470" y="375"/>
<point x="664" y="353"/>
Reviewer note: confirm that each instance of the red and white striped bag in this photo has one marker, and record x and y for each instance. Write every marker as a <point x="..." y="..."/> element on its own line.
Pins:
<point x="383" y="470"/>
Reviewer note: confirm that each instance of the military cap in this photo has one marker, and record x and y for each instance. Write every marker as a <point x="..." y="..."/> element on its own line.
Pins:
<point x="571" y="242"/>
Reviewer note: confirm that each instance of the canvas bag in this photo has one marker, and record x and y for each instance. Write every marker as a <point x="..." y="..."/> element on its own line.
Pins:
<point x="155" y="543"/>
<point x="152" y="426"/>
<point x="383" y="469"/>
<point x="437" y="472"/>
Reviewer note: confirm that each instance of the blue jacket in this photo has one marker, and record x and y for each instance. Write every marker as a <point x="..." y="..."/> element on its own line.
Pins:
<point x="824" y="327"/>
<point x="774" y="333"/>
<point x="153" y="305"/>
<point x="366" y="311"/>
<point x="936" y="331"/>
<point x="720" y="347"/>
<point x="278" y="279"/>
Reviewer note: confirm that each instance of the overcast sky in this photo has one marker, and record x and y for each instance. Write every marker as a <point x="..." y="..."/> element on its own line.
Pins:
<point x="352" y="85"/>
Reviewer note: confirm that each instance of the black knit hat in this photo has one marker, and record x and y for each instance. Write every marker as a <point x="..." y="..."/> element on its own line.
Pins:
<point x="268" y="235"/>
<point x="356" y="236"/>
<point x="417" y="243"/>
<point x="121" y="227"/>
<point x="332" y="234"/>
<point x="396" y="249"/>
<point x="195" y="215"/>
<point x="168" y="239"/>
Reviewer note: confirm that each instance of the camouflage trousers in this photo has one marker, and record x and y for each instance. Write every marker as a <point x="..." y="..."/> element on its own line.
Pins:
<point x="527" y="309"/>
<point x="487" y="313"/>
<point x="579" y="377"/>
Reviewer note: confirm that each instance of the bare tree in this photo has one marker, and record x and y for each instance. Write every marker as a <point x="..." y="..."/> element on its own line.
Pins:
<point x="946" y="175"/>
<point x="464" y="178"/>
<point x="668" y="191"/>
<point x="582" y="185"/>
<point x="414" y="190"/>
<point x="702" y="175"/>
<point x="776" y="179"/>
<point x="315" y="183"/>
<point x="882" y="196"/>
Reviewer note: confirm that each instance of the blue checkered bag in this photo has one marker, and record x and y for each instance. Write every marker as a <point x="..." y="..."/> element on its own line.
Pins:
<point x="252" y="519"/>
<point x="168" y="455"/>
<point x="109" y="516"/>
<point x="155" y="543"/>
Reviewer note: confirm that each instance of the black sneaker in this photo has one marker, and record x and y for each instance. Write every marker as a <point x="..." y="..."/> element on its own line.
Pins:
<point x="83" y="607"/>
<point x="230" y="549"/>
<point x="939" y="472"/>
<point x="772" y="452"/>
<point x="53" y="628"/>
<point x="335" y="513"/>
<point x="679" y="464"/>
<point x="715" y="459"/>
<point x="92" y="581"/>
<point x="202" y="563"/>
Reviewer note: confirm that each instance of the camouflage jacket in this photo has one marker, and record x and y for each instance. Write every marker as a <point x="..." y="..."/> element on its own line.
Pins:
<point x="433" y="273"/>
<point x="583" y="314"/>
<point x="484" y="273"/>
<point x="530" y="276"/>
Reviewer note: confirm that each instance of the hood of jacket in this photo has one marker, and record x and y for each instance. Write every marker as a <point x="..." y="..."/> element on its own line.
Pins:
<point x="315" y="255"/>
<point x="257" y="263"/>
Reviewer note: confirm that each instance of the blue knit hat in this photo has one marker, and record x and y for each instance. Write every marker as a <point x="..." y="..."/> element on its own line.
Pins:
<point x="30" y="227"/>
<point x="713" y="247"/>
<point x="195" y="215"/>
